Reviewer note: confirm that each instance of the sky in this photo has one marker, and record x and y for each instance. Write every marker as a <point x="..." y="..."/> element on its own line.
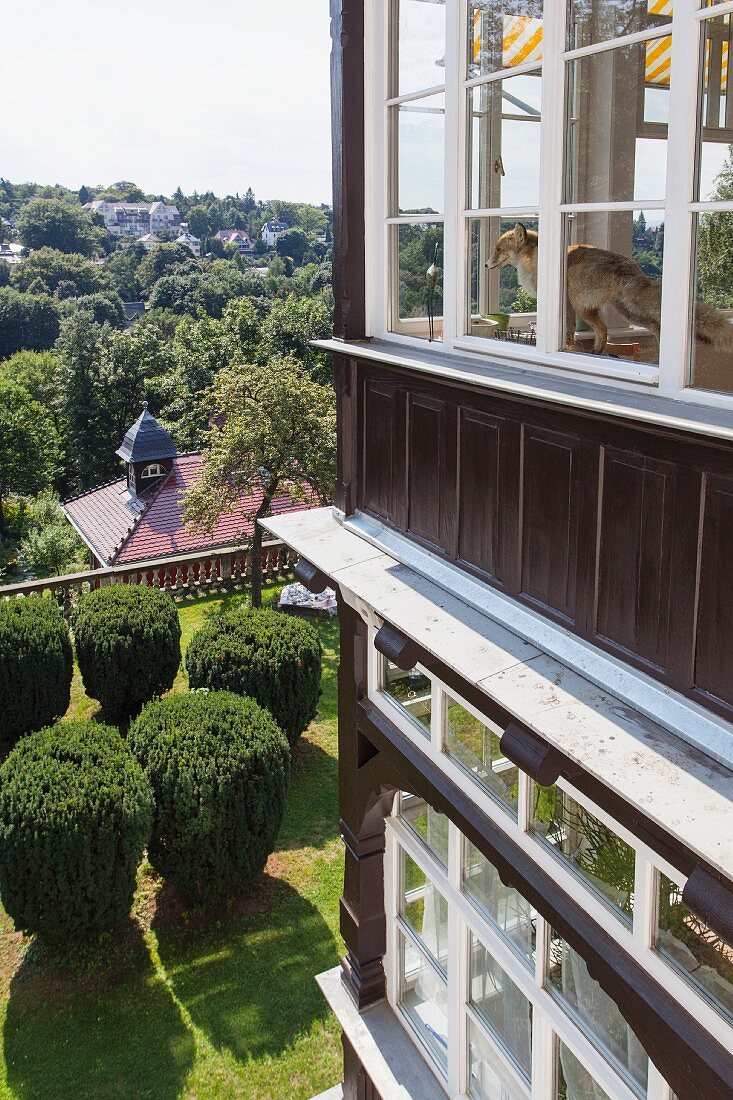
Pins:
<point x="216" y="95"/>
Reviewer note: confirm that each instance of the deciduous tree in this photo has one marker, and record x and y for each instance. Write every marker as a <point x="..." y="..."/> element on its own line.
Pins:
<point x="55" y="224"/>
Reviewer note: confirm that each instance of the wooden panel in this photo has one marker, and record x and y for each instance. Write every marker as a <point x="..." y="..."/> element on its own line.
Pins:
<point x="379" y="449"/>
<point x="714" y="649"/>
<point x="635" y="552"/>
<point x="426" y="468"/>
<point x="479" y="524"/>
<point x="550" y="507"/>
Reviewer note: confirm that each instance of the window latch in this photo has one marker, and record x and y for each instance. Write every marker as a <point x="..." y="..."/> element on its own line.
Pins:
<point x="499" y="166"/>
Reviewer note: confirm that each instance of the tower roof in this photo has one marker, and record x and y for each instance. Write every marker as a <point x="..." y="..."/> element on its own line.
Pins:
<point x="146" y="440"/>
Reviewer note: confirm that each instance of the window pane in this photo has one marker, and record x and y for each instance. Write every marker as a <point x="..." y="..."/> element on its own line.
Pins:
<point x="614" y="283"/>
<point x="476" y="748"/>
<point x="712" y="306"/>
<point x="498" y="307"/>
<point x="504" y="143"/>
<point x="417" y="305"/>
<point x="573" y="1080"/>
<point x="506" y="1010"/>
<point x="425" y="910"/>
<point x="410" y="691"/>
<point x="420" y="163"/>
<point x="487" y="1077"/>
<point x="428" y="824"/>
<point x="617" y="127"/>
<point x="597" y="1014"/>
<point x="421" y="45"/>
<point x="601" y="20"/>
<point x="423" y="995"/>
<point x="603" y="859"/>
<point x="692" y="947"/>
<point x="504" y="906"/>
<point x="715" y="105"/>
<point x="503" y="35"/>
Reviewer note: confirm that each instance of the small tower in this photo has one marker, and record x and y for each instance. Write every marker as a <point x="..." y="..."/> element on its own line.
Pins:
<point x="148" y="451"/>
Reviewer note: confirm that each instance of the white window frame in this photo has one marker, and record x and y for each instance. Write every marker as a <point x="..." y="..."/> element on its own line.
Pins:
<point x="671" y="376"/>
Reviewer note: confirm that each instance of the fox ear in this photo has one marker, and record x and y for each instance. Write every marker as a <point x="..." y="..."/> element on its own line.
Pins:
<point x="520" y="233"/>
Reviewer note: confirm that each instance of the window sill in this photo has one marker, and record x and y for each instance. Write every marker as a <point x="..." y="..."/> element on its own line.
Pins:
<point x="528" y="381"/>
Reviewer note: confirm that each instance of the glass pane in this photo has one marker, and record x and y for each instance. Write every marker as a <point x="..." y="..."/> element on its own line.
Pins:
<point x="573" y="1080"/>
<point x="476" y="748"/>
<point x="504" y="143"/>
<point x="603" y="859"/>
<point x="487" y="1077"/>
<point x="601" y="20"/>
<point x="715" y="107"/>
<point x="498" y="306"/>
<point x="616" y="127"/>
<point x="693" y="948"/>
<point x="425" y="910"/>
<point x="614" y="283"/>
<point x="505" y="907"/>
<point x="506" y="1010"/>
<point x="597" y="1014"/>
<point x="421" y="142"/>
<point x="417" y="306"/>
<point x="410" y="690"/>
<point x="420" y="45"/>
<point x="712" y="305"/>
<point x="428" y="824"/>
<point x="503" y="35"/>
<point x="424" y="996"/>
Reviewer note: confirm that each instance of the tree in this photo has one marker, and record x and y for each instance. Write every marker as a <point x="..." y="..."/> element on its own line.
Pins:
<point x="26" y="321"/>
<point x="168" y="259"/>
<point x="279" y="431"/>
<point x="289" y="329"/>
<point x="294" y="244"/>
<point x="55" y="224"/>
<point x="53" y="268"/>
<point x="122" y="268"/>
<point x="27" y="447"/>
<point x="715" y="245"/>
<point x="199" y="222"/>
<point x="84" y="195"/>
<point x="51" y="547"/>
<point x="107" y="308"/>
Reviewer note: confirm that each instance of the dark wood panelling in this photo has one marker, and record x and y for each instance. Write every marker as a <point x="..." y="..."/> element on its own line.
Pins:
<point x="479" y="515"/>
<point x="380" y="429"/>
<point x="426" y="442"/>
<point x="714" y="657"/>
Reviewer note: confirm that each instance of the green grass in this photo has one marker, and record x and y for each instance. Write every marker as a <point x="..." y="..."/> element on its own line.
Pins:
<point x="191" y="1004"/>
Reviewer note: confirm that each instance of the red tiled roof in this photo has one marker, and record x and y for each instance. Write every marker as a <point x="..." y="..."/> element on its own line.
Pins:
<point x="104" y="518"/>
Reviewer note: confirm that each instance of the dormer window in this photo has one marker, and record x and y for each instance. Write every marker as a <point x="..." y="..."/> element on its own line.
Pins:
<point x="155" y="469"/>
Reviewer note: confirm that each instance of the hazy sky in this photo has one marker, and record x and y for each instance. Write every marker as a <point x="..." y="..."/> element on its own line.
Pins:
<point x="209" y="94"/>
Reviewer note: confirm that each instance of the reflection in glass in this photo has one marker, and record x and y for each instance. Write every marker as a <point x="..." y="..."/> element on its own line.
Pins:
<point x="430" y="826"/>
<point x="498" y="307"/>
<point x="573" y="1080"/>
<point x="425" y="910"/>
<point x="504" y="143"/>
<point x="508" y="911"/>
<point x="410" y="690"/>
<point x="420" y="46"/>
<point x="420" y="161"/>
<point x="487" y="1077"/>
<point x="601" y="20"/>
<point x="503" y="35"/>
<point x="617" y="114"/>
<point x="603" y="859"/>
<point x="417" y="296"/>
<point x="715" y="104"/>
<point x="594" y="1010"/>
<point x="693" y="948"/>
<point x="502" y="1005"/>
<point x="476" y="748"/>
<point x="712" y="306"/>
<point x="614" y="283"/>
<point x="424" y="996"/>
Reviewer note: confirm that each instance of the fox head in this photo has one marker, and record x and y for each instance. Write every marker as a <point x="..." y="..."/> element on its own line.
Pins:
<point x="518" y="244"/>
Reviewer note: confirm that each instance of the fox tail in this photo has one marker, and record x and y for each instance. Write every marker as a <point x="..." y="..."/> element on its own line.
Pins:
<point x="713" y="327"/>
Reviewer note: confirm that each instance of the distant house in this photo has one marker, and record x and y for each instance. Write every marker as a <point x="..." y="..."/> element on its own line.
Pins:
<point x="272" y="231"/>
<point x="189" y="241"/>
<point x="133" y="311"/>
<point x="136" y="219"/>
<point x="149" y="241"/>
<point x="12" y="254"/>
<point x="139" y="517"/>
<point x="237" y="237"/>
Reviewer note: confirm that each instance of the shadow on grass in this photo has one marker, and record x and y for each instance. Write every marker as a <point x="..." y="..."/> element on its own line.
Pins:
<point x="249" y="984"/>
<point x="106" y="1032"/>
<point x="312" y="814"/>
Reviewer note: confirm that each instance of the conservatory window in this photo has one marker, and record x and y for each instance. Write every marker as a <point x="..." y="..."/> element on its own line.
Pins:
<point x="410" y="691"/>
<point x="474" y="743"/>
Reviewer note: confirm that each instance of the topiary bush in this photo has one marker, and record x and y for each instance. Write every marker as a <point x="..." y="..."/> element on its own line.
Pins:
<point x="128" y="645"/>
<point x="75" y="815"/>
<point x="219" y="769"/>
<point x="36" y="666"/>
<point x="272" y="657"/>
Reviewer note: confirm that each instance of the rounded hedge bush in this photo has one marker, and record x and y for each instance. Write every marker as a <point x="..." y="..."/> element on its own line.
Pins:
<point x="128" y="645"/>
<point x="36" y="666"/>
<point x="75" y="815"/>
<point x="219" y="769"/>
<point x="270" y="656"/>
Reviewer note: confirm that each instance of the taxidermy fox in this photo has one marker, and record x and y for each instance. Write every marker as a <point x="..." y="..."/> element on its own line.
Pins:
<point x="596" y="277"/>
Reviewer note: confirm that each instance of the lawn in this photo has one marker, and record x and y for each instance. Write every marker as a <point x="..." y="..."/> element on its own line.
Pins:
<point x="190" y="1004"/>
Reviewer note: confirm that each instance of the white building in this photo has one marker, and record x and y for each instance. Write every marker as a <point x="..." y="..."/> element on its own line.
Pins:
<point x="272" y="231"/>
<point x="149" y="241"/>
<point x="189" y="241"/>
<point x="136" y="219"/>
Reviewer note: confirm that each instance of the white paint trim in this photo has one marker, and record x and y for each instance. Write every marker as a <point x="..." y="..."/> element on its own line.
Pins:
<point x="618" y="43"/>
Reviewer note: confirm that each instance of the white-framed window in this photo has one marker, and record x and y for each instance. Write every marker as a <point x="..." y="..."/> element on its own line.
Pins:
<point x="471" y="919"/>
<point x="154" y="469"/>
<point x="594" y="140"/>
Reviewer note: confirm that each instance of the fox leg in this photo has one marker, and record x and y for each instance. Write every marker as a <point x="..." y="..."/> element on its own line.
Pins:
<point x="569" y="325"/>
<point x="593" y="318"/>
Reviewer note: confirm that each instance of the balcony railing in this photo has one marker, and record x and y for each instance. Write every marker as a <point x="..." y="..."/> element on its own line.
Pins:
<point x="183" y="575"/>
